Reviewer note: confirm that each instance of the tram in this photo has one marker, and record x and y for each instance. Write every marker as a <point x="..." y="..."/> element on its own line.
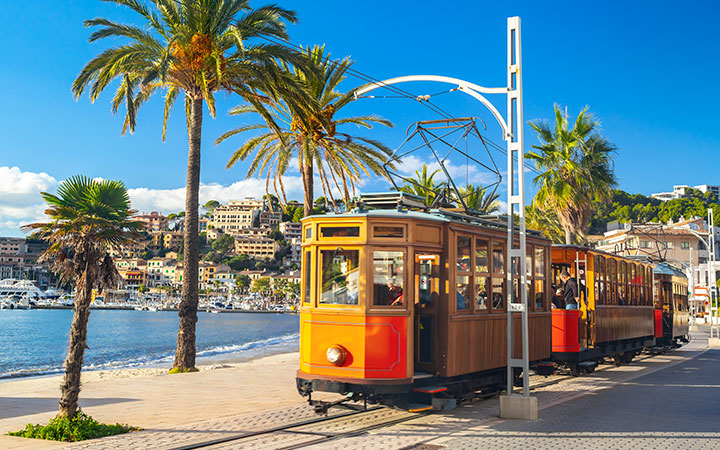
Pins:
<point x="615" y="316"/>
<point x="408" y="308"/>
<point x="672" y="310"/>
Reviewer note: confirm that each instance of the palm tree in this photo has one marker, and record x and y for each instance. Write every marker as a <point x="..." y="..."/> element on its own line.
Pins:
<point x="577" y="168"/>
<point x="87" y="218"/>
<point x="480" y="200"/>
<point x="310" y="132"/>
<point x="192" y="48"/>
<point x="423" y="185"/>
<point x="545" y="221"/>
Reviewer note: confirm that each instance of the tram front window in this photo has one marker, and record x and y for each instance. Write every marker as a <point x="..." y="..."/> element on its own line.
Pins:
<point x="339" y="277"/>
<point x="388" y="278"/>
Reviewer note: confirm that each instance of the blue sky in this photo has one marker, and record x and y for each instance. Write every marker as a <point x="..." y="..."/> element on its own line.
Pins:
<point x="646" y="69"/>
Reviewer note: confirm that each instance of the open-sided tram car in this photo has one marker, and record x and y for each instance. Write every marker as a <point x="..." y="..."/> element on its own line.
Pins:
<point x="672" y="311"/>
<point x="616" y="315"/>
<point x="408" y="308"/>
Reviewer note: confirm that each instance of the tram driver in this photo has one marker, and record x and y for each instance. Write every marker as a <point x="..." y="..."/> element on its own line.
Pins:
<point x="395" y="293"/>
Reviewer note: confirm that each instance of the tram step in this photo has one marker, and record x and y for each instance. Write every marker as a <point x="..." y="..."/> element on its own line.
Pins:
<point x="421" y="375"/>
<point x="430" y="389"/>
<point x="587" y="365"/>
<point x="417" y="407"/>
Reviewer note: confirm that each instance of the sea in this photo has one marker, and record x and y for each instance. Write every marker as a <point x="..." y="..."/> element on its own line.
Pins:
<point x="35" y="342"/>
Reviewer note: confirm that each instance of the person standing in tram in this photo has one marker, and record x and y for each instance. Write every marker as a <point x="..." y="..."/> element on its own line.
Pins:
<point x="570" y="291"/>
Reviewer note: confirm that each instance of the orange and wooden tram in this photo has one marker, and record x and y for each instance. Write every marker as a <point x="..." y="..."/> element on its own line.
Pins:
<point x="672" y="310"/>
<point x="408" y="308"/>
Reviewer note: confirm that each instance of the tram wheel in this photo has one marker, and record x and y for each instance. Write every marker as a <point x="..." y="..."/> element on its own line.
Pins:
<point x="574" y="371"/>
<point x="617" y="359"/>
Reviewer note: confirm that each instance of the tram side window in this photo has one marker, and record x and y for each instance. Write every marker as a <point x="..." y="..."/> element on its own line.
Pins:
<point x="306" y="277"/>
<point x="463" y="253"/>
<point x="498" y="258"/>
<point x="482" y="272"/>
<point x="340" y="277"/>
<point x="622" y="291"/>
<point x="631" y="282"/>
<point x="498" y="293"/>
<point x="388" y="278"/>
<point x="600" y="280"/>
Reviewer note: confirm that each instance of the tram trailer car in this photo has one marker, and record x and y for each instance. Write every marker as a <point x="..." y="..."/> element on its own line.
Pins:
<point x="408" y="308"/>
<point x="672" y="311"/>
<point x="616" y="316"/>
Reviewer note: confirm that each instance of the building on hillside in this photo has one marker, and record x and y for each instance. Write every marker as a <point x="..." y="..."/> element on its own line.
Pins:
<point x="290" y="230"/>
<point x="295" y="252"/>
<point x="256" y="246"/>
<point x="680" y="191"/>
<point x="203" y="225"/>
<point x="255" y="231"/>
<point x="156" y="271"/>
<point x="153" y="221"/>
<point x="270" y="219"/>
<point x="236" y="215"/>
<point x="130" y="251"/>
<point x="171" y="240"/>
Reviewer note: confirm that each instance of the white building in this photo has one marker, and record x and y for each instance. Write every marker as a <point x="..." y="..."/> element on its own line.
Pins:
<point x="680" y="191"/>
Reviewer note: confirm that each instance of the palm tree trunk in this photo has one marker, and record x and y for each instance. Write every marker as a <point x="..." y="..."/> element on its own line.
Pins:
<point x="185" y="352"/>
<point x="308" y="184"/>
<point x="568" y="236"/>
<point x="70" y="389"/>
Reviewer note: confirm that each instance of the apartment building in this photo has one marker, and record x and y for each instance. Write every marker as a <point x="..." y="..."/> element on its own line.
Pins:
<point x="236" y="215"/>
<point x="256" y="246"/>
<point x="290" y="230"/>
<point x="153" y="221"/>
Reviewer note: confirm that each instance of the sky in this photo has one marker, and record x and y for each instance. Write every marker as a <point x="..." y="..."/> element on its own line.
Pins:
<point x="645" y="69"/>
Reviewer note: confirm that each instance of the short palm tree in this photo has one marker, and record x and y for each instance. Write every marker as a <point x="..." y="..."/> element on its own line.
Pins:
<point x="188" y="48"/>
<point x="480" y="200"/>
<point x="423" y="185"/>
<point x="576" y="168"/>
<point x="87" y="218"/>
<point x="310" y="132"/>
<point x="545" y="221"/>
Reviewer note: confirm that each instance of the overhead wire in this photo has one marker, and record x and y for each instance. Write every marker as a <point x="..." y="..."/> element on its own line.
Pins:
<point x="400" y="93"/>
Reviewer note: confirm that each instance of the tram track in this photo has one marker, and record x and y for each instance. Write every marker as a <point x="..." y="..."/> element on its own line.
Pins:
<point x="323" y="429"/>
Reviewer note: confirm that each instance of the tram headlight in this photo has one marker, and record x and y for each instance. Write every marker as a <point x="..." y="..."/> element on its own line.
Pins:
<point x="336" y="355"/>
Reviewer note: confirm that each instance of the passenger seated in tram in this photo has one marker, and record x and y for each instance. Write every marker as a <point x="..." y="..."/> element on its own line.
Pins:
<point x="461" y="301"/>
<point x="570" y="290"/>
<point x="557" y="300"/>
<point x="388" y="293"/>
<point x="395" y="293"/>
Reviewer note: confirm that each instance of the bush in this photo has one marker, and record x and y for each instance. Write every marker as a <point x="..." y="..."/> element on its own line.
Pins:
<point x="79" y="428"/>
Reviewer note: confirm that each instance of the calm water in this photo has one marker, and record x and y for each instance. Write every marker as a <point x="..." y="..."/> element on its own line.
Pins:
<point x="35" y="342"/>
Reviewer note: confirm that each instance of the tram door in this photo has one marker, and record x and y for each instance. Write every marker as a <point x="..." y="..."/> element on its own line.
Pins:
<point x="427" y="298"/>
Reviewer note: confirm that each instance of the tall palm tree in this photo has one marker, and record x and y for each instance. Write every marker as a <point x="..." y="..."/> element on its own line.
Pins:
<point x="577" y="168"/>
<point x="188" y="48"/>
<point x="87" y="218"/>
<point x="310" y="132"/>
<point x="480" y="200"/>
<point x="423" y="185"/>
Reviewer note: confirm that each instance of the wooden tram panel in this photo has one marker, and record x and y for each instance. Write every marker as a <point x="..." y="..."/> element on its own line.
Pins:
<point x="381" y="341"/>
<point x="672" y="309"/>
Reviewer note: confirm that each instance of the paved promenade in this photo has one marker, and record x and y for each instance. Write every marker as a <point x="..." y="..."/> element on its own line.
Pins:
<point x="664" y="401"/>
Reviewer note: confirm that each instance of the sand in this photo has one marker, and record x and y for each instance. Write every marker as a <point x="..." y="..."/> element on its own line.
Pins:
<point x="150" y="398"/>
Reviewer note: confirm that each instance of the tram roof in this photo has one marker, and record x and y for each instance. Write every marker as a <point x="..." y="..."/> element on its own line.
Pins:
<point x="436" y="215"/>
<point x="664" y="268"/>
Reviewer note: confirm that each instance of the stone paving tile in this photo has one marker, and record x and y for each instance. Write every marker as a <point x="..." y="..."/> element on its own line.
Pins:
<point x="460" y="428"/>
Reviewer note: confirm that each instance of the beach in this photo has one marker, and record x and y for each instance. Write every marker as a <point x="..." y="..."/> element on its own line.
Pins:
<point x="150" y="398"/>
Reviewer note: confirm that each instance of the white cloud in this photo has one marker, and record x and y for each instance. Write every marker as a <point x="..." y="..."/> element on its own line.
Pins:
<point x="460" y="173"/>
<point x="173" y="200"/>
<point x="20" y="200"/>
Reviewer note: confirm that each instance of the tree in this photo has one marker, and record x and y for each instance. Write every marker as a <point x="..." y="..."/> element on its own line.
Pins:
<point x="545" y="221"/>
<point x="478" y="199"/>
<point x="576" y="169"/>
<point x="222" y="246"/>
<point x="261" y="285"/>
<point x="210" y="206"/>
<point x="309" y="131"/>
<point x="242" y="281"/>
<point x="423" y="185"/>
<point x="192" y="48"/>
<point x="87" y="218"/>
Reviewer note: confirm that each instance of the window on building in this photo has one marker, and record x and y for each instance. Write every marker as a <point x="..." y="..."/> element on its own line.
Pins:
<point x="684" y="245"/>
<point x="644" y="244"/>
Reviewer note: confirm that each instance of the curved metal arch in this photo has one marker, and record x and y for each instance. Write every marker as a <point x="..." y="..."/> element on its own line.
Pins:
<point x="472" y="89"/>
